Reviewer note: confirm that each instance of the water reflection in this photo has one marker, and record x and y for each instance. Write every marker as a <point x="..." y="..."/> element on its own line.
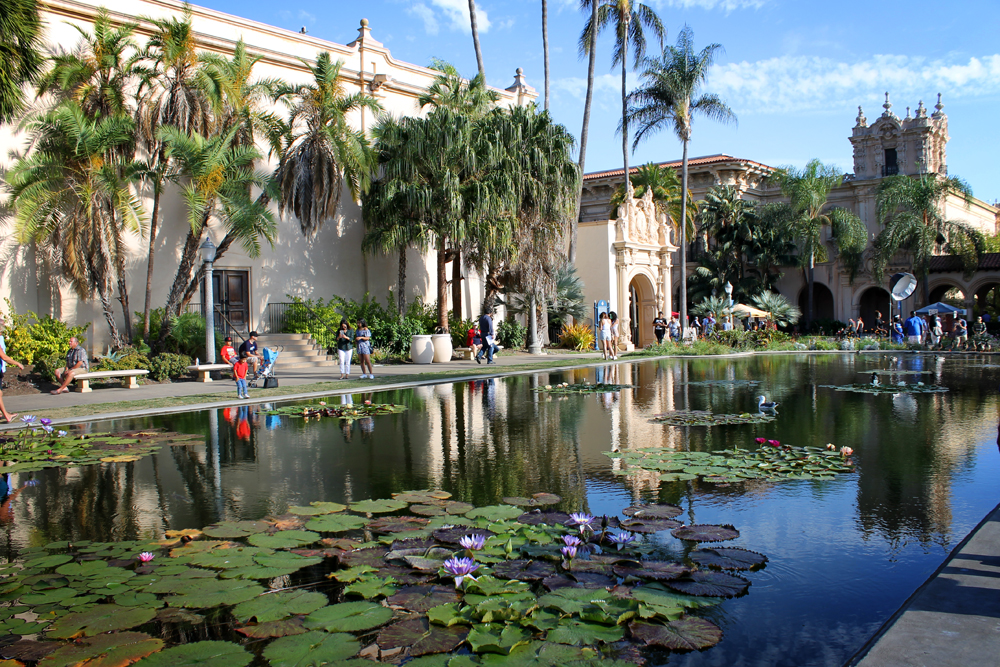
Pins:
<point x="862" y="542"/>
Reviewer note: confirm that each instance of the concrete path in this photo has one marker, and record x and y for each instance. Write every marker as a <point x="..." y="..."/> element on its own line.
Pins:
<point x="953" y="620"/>
<point x="392" y="376"/>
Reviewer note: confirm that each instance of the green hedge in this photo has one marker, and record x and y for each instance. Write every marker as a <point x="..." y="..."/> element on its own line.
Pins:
<point x="30" y="338"/>
<point x="169" y="365"/>
<point x="390" y="334"/>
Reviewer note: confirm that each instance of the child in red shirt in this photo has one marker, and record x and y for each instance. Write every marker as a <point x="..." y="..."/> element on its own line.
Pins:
<point x="240" y="369"/>
<point x="228" y="352"/>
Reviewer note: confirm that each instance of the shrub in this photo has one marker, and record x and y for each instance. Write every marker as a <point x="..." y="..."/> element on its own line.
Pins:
<point x="127" y="358"/>
<point x="459" y="330"/>
<point x="187" y="333"/>
<point x="389" y="333"/>
<point x="750" y="340"/>
<point x="31" y="339"/>
<point x="578" y="336"/>
<point x="168" y="365"/>
<point x="511" y="334"/>
<point x="46" y="366"/>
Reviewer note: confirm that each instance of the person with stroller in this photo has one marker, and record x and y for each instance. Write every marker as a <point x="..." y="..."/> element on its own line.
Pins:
<point x="364" y="340"/>
<point x="345" y="348"/>
<point x="240" y="369"/>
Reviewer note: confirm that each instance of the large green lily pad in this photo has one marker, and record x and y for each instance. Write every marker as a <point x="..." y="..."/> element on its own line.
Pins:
<point x="422" y="598"/>
<point x="706" y="533"/>
<point x="279" y="605"/>
<point x="378" y="506"/>
<point x="99" y="619"/>
<point x="349" y="617"/>
<point x="105" y="650"/>
<point x="205" y="593"/>
<point x="421" y="637"/>
<point x="336" y="523"/>
<point x="284" y="539"/>
<point x="714" y="584"/>
<point x="686" y="634"/>
<point x="310" y="649"/>
<point x="200" y="654"/>
<point x="728" y="558"/>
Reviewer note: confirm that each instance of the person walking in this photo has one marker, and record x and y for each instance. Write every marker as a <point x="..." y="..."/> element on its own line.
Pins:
<point x="914" y="329"/>
<point x="897" y="330"/>
<point x="4" y="360"/>
<point x="615" y="333"/>
<point x="961" y="332"/>
<point x="659" y="327"/>
<point x="364" y="339"/>
<point x="76" y="362"/>
<point x="488" y="335"/>
<point x="674" y="328"/>
<point x="345" y="349"/>
<point x="605" y="333"/>
<point x="936" y="330"/>
<point x="240" y="370"/>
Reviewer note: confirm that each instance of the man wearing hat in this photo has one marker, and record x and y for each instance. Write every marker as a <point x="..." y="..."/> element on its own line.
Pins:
<point x="254" y="358"/>
<point x="228" y="352"/>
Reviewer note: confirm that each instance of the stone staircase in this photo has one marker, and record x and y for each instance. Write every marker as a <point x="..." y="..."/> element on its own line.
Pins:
<point x="300" y="351"/>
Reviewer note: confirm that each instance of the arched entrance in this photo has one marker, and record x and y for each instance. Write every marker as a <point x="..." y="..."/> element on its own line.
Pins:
<point x="822" y="302"/>
<point x="874" y="299"/>
<point x="642" y="310"/>
<point x="949" y="294"/>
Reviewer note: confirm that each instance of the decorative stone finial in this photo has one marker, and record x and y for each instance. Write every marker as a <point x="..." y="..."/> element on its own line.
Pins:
<point x="364" y="38"/>
<point x="364" y="23"/>
<point x="921" y="110"/>
<point x="861" y="120"/>
<point x="938" y="106"/>
<point x="907" y="113"/>
<point x="521" y="88"/>
<point x="888" y="104"/>
<point x="520" y="72"/>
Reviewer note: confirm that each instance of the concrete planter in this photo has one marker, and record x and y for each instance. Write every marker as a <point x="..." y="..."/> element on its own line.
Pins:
<point x="421" y="349"/>
<point x="442" y="347"/>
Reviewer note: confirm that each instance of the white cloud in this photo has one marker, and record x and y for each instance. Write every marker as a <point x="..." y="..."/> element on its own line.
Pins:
<point x="798" y="83"/>
<point x="425" y="14"/>
<point x="456" y="12"/>
<point x="576" y="86"/>
<point x="709" y="5"/>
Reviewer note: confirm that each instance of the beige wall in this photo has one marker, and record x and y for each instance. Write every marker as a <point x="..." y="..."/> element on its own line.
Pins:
<point x="332" y="263"/>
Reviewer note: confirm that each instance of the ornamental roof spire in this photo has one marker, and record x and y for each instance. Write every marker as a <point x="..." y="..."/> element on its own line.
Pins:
<point x="937" y="113"/>
<point x="887" y="106"/>
<point x="861" y="120"/>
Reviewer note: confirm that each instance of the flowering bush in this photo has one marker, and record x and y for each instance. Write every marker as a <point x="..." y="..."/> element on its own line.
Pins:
<point x="579" y="336"/>
<point x="31" y="338"/>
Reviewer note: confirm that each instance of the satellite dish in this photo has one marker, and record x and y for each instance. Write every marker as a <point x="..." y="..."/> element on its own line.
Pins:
<point x="902" y="285"/>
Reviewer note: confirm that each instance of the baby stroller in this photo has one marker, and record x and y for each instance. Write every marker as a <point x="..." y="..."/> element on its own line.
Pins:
<point x="266" y="371"/>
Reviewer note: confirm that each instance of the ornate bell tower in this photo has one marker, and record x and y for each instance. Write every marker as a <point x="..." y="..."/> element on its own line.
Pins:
<point x="893" y="145"/>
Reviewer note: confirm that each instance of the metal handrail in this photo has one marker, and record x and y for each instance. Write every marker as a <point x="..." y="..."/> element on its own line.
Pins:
<point x="323" y="320"/>
<point x="232" y="327"/>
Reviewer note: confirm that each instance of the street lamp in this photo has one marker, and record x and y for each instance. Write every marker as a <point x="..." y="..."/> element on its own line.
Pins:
<point x="729" y="293"/>
<point x="208" y="256"/>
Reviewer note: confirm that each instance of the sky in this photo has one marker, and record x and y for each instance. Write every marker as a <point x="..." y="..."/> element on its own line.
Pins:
<point x="793" y="71"/>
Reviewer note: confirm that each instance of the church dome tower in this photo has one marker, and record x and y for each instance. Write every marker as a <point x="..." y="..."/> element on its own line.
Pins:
<point x="892" y="145"/>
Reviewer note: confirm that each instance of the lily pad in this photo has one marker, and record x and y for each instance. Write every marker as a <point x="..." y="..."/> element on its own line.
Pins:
<point x="378" y="506"/>
<point x="421" y="637"/>
<point x="422" y="598"/>
<point x="120" y="648"/>
<point x="174" y="615"/>
<point x="201" y="654"/>
<point x="495" y="512"/>
<point x="706" y="533"/>
<point x="397" y="524"/>
<point x="349" y="617"/>
<point x="99" y="619"/>
<point x="284" y="539"/>
<point x="656" y="570"/>
<point x="713" y="584"/>
<point x="728" y="558"/>
<point x="524" y="570"/>
<point x="453" y="535"/>
<point x="579" y="633"/>
<point x="496" y="638"/>
<point x="686" y="634"/>
<point x="543" y="518"/>
<point x="206" y="593"/>
<point x="311" y="648"/>
<point x="649" y="526"/>
<point x="536" y="500"/>
<point x="336" y="523"/>
<point x="286" y="627"/>
<point x="661" y="511"/>
<point x="279" y="605"/>
<point x="228" y="530"/>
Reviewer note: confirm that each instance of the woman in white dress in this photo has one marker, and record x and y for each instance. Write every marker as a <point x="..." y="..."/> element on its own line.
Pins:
<point x="604" y="329"/>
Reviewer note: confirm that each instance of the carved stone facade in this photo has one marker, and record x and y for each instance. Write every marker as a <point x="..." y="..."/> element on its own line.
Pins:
<point x="893" y="145"/>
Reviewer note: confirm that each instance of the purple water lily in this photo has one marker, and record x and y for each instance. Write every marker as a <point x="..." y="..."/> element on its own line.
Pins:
<point x="460" y="568"/>
<point x="473" y="542"/>
<point x="621" y="539"/>
<point x="571" y="540"/>
<point x="62" y="434"/>
<point x="29" y="419"/>
<point x="45" y="421"/>
<point x="47" y="428"/>
<point x="581" y="519"/>
<point x="569" y="552"/>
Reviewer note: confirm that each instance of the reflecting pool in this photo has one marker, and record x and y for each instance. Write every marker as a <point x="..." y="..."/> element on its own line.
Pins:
<point x="844" y="553"/>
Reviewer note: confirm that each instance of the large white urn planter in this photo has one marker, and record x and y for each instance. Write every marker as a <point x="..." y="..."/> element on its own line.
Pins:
<point x="421" y="349"/>
<point x="442" y="347"/>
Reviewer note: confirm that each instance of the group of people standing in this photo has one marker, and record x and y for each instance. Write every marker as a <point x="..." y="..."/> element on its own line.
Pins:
<point x="917" y="330"/>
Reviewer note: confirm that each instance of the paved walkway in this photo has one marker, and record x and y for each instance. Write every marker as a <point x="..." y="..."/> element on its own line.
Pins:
<point x="953" y="620"/>
<point x="394" y="375"/>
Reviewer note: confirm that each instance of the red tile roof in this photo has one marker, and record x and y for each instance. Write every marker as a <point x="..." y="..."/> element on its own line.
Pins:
<point x="718" y="158"/>
<point x="945" y="263"/>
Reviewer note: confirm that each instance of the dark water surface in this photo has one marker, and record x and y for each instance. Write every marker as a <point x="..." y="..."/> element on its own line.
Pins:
<point x="844" y="553"/>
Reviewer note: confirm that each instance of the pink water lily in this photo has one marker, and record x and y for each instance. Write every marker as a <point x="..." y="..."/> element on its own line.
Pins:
<point x="774" y="443"/>
<point x="146" y="557"/>
<point x="760" y="441"/>
<point x="846" y="451"/>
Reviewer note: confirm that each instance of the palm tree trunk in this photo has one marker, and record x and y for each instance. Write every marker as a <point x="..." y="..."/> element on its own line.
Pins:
<point x="123" y="298"/>
<point x="625" y="107"/>
<point x="153" y="223"/>
<point x="683" y="299"/>
<point x="475" y="38"/>
<point x="545" y="48"/>
<point x="456" y="284"/>
<point x="401" y="297"/>
<point x="181" y="279"/>
<point x="591" y="69"/>
<point x="107" y="307"/>
<point x="811" y="287"/>
<point x="442" y="283"/>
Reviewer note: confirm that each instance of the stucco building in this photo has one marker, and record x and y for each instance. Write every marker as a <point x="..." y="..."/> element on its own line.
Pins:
<point x="636" y="271"/>
<point x="331" y="264"/>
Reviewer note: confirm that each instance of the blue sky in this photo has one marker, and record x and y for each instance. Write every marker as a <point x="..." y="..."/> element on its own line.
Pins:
<point x="794" y="71"/>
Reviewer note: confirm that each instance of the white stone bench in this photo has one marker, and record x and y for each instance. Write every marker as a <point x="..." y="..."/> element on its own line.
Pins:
<point x="204" y="370"/>
<point x="83" y="379"/>
<point x="465" y="353"/>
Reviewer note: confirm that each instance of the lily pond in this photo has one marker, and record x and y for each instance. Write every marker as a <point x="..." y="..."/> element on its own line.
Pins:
<point x="635" y="513"/>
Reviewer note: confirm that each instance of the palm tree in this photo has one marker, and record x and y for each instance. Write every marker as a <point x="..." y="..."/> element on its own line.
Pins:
<point x="911" y="211"/>
<point x="72" y="195"/>
<point x="781" y="312"/>
<point x="588" y="46"/>
<point x="668" y="99"/>
<point x="215" y="176"/>
<point x="628" y="17"/>
<point x="20" y="53"/>
<point x="171" y="95"/>
<point x="808" y="190"/>
<point x="545" y="48"/>
<point x="666" y="186"/>
<point x="322" y="150"/>
<point x="475" y="38"/>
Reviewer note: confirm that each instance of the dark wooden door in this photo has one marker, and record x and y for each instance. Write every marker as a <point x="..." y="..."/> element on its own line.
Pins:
<point x="232" y="298"/>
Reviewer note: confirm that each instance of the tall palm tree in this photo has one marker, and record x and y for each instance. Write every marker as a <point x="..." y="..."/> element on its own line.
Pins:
<point x="588" y="47"/>
<point x="911" y="211"/>
<point x="668" y="99"/>
<point x="475" y="38"/>
<point x="172" y="94"/>
<point x="215" y="175"/>
<point x="20" y="53"/>
<point x="322" y="150"/>
<point x="808" y="190"/>
<point x="545" y="49"/>
<point x="627" y="19"/>
<point x="99" y="76"/>
<point x="72" y="195"/>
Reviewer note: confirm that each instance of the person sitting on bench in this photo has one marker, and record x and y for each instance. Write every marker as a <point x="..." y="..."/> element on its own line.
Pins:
<point x="76" y="362"/>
